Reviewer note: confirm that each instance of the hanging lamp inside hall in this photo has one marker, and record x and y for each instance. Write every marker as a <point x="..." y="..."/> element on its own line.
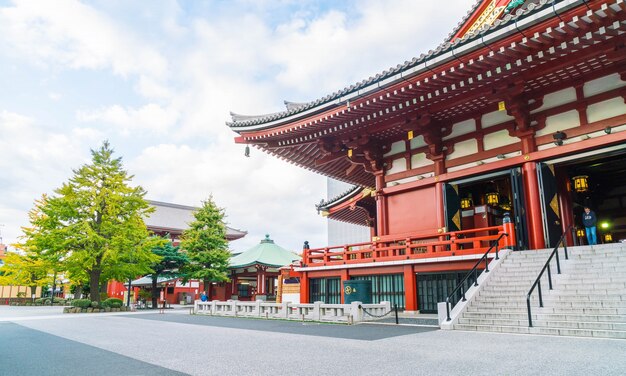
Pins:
<point x="581" y="183"/>
<point x="492" y="198"/>
<point x="466" y="202"/>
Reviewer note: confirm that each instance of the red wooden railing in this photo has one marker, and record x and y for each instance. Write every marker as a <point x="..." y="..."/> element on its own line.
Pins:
<point x="410" y="246"/>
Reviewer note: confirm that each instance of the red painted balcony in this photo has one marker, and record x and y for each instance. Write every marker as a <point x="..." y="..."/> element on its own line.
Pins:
<point x="411" y="246"/>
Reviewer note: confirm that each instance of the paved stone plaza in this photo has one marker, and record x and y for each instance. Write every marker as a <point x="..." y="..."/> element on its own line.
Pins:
<point x="42" y="341"/>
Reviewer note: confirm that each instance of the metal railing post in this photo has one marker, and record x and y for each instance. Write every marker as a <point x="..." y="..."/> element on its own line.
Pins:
<point x="530" y="319"/>
<point x="540" y="296"/>
<point x="558" y="263"/>
<point x="549" y="277"/>
<point x="565" y="248"/>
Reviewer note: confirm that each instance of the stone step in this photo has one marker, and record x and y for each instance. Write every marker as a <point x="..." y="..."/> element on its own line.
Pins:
<point x="521" y="303"/>
<point x="580" y="310"/>
<point x="552" y="297"/>
<point x="611" y="267"/>
<point x="594" y="325"/>
<point x="566" y="275"/>
<point x="545" y="331"/>
<point x="547" y="317"/>
<point x="590" y="285"/>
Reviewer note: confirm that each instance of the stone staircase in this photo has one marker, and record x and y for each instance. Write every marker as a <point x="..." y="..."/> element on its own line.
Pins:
<point x="588" y="299"/>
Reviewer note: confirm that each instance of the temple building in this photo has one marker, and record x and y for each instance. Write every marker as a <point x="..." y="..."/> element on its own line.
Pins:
<point x="255" y="274"/>
<point x="171" y="220"/>
<point x="503" y="133"/>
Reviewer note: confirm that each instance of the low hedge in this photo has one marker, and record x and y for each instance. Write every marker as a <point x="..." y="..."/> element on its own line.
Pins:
<point x="81" y="303"/>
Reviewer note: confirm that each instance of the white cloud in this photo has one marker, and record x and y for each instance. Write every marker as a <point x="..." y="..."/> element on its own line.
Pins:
<point x="72" y="34"/>
<point x="150" y="117"/>
<point x="35" y="161"/>
<point x="188" y="69"/>
<point x="260" y="194"/>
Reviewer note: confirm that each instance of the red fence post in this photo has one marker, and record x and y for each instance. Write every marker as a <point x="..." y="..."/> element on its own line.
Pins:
<point x="509" y="229"/>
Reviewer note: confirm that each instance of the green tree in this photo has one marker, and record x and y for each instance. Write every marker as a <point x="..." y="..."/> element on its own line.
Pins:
<point x="171" y="261"/>
<point x="93" y="222"/>
<point x="206" y="245"/>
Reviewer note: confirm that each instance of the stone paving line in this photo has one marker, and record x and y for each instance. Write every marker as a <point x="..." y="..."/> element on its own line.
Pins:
<point x="211" y="350"/>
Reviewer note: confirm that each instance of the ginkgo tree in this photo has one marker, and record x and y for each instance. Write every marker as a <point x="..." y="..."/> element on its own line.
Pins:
<point x="93" y="224"/>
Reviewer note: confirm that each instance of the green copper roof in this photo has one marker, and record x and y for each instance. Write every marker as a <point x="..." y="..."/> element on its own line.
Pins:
<point x="264" y="253"/>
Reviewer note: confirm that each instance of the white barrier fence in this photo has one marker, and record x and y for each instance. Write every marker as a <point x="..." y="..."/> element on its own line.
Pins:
<point x="318" y="311"/>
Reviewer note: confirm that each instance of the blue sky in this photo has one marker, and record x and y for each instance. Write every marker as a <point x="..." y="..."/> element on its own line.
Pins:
<point x="158" y="80"/>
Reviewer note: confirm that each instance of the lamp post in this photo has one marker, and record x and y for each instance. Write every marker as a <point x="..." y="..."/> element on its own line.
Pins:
<point x="54" y="280"/>
<point x="130" y="280"/>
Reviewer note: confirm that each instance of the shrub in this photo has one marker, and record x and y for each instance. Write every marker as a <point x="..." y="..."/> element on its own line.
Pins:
<point x="81" y="303"/>
<point x="110" y="301"/>
<point x="94" y="304"/>
<point x="116" y="305"/>
<point x="39" y="301"/>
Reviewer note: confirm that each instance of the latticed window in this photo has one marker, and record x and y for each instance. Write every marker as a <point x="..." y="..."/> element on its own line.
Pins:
<point x="327" y="290"/>
<point x="386" y="288"/>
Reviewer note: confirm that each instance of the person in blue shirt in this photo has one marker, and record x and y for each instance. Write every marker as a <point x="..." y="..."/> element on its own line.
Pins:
<point x="589" y="221"/>
<point x="203" y="297"/>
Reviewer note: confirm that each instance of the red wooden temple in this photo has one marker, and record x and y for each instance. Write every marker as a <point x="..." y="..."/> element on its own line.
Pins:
<point x="520" y="111"/>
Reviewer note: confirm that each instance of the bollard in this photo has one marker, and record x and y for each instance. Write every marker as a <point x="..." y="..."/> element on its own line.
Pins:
<point x="395" y="307"/>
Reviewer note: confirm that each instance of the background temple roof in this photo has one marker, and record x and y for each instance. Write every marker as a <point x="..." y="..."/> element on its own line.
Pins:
<point x="175" y="218"/>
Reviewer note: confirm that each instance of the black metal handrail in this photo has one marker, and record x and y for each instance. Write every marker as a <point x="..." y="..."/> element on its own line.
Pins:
<point x="474" y="271"/>
<point x="537" y="283"/>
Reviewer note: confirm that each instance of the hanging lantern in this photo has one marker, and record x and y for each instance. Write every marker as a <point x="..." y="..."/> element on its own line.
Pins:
<point x="581" y="183"/>
<point x="608" y="238"/>
<point x="466" y="202"/>
<point x="580" y="233"/>
<point x="492" y="198"/>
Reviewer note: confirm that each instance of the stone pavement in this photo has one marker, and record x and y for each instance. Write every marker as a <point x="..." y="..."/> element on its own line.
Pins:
<point x="176" y="343"/>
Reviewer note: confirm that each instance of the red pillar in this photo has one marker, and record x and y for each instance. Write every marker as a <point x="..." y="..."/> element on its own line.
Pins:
<point x="304" y="288"/>
<point x="345" y="276"/>
<point x="441" y="220"/>
<point x="410" y="289"/>
<point x="533" y="210"/>
<point x="381" y="206"/>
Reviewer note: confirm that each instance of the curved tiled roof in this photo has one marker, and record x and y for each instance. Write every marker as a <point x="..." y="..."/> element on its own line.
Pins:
<point x="264" y="253"/>
<point x="350" y="192"/>
<point x="246" y="121"/>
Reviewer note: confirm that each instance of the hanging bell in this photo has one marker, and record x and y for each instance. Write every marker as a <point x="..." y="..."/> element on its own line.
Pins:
<point x="247" y="152"/>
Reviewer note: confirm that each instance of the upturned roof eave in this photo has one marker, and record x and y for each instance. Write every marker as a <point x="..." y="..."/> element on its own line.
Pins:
<point x="501" y="28"/>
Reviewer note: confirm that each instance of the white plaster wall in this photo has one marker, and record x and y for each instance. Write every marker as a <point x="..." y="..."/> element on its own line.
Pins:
<point x="291" y="298"/>
<point x="463" y="148"/>
<point x="410" y="179"/>
<point x="345" y="233"/>
<point x="396" y="147"/>
<point x="557" y="98"/>
<point x="398" y="165"/>
<point x="560" y="122"/>
<point x="461" y="128"/>
<point x="417" y="142"/>
<point x="420" y="160"/>
<point x="606" y="109"/>
<point x="335" y="187"/>
<point x="602" y="84"/>
<point x="497" y="139"/>
<point x="494" y="118"/>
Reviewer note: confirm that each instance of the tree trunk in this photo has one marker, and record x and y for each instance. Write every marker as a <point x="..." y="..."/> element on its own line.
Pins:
<point x="207" y="284"/>
<point x="33" y="290"/>
<point x="94" y="283"/>
<point x="78" y="294"/>
<point x="155" y="292"/>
